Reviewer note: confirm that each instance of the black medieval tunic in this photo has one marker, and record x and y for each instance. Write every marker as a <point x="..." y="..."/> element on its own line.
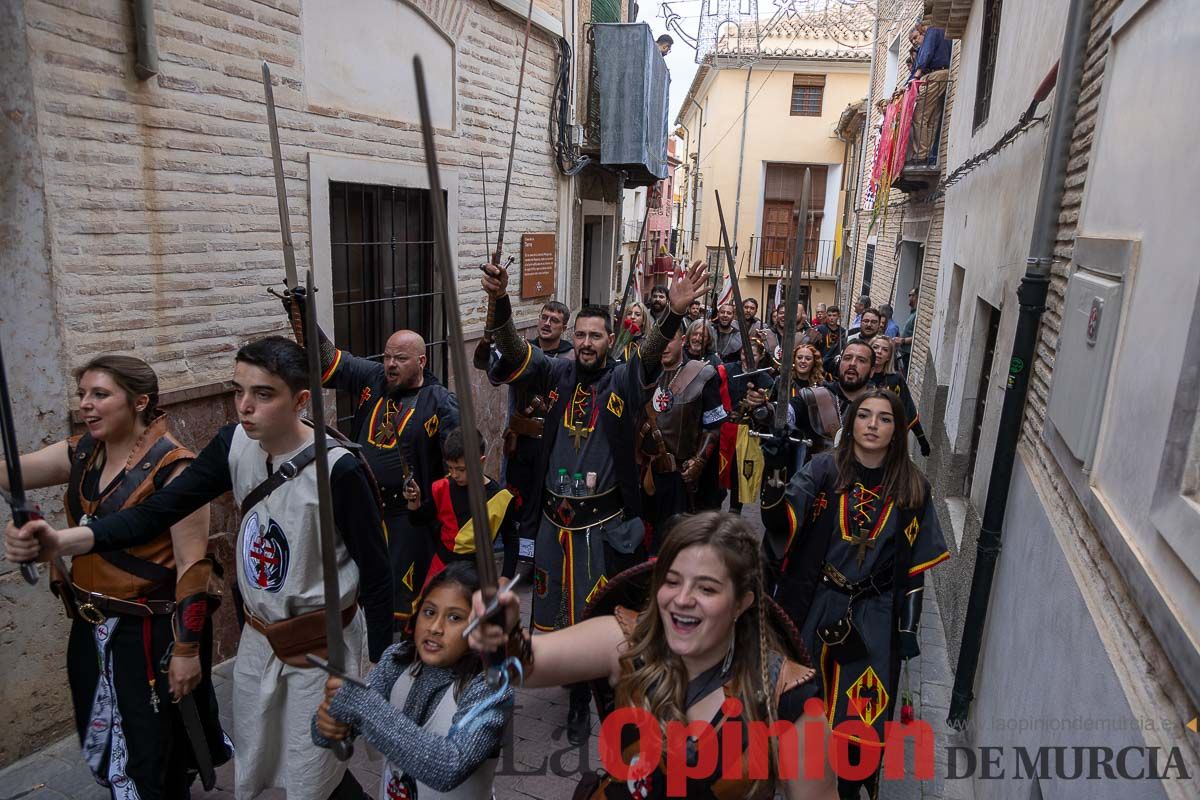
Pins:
<point x="401" y="432"/>
<point x="589" y="428"/>
<point x="131" y="734"/>
<point x="859" y="534"/>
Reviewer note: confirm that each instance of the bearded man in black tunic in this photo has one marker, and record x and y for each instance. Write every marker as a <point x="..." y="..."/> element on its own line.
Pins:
<point x="591" y="526"/>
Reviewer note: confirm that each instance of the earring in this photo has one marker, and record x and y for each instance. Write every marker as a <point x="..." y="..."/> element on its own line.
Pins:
<point x="727" y="664"/>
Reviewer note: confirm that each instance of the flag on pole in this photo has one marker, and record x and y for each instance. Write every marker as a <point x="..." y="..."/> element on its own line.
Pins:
<point x="726" y="295"/>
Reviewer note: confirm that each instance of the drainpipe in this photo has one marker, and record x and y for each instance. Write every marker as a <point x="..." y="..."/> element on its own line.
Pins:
<point x="145" y="64"/>
<point x="696" y="180"/>
<point x="1031" y="295"/>
<point x="737" y="199"/>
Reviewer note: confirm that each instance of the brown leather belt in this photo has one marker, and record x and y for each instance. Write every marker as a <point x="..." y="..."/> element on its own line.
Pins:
<point x="529" y="427"/>
<point x="292" y="638"/>
<point x="95" y="608"/>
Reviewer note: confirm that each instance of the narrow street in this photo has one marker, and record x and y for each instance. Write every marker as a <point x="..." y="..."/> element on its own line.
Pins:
<point x="537" y="763"/>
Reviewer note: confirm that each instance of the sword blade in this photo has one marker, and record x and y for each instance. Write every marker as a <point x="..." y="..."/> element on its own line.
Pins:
<point x="739" y="313"/>
<point x="285" y="225"/>
<point x="512" y="144"/>
<point x="21" y="511"/>
<point x="444" y="265"/>
<point x="343" y="749"/>
<point x="793" y="297"/>
<point x="190" y="715"/>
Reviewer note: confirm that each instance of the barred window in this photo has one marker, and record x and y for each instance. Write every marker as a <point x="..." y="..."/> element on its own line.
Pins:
<point x="807" y="94"/>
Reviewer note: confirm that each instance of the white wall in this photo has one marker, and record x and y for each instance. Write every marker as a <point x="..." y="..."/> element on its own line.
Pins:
<point x="1065" y="691"/>
<point x="363" y="61"/>
<point x="1140" y="187"/>
<point x="989" y="214"/>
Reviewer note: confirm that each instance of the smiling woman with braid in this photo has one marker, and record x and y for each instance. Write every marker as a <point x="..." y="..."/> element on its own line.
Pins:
<point x="702" y="643"/>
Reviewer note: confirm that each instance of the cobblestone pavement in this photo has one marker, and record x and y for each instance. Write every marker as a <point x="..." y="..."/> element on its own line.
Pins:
<point x="539" y="764"/>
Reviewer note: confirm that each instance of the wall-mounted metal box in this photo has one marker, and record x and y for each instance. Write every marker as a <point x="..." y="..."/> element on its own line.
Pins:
<point x="1087" y="341"/>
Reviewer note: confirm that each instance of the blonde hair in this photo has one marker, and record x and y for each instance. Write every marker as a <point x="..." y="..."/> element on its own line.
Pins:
<point x="887" y="367"/>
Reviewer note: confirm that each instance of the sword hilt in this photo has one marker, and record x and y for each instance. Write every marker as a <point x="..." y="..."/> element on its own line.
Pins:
<point x="21" y="515"/>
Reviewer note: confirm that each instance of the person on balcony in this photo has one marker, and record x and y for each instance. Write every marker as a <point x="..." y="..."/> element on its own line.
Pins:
<point x="932" y="68"/>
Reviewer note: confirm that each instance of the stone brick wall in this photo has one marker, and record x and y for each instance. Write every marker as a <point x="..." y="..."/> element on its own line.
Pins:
<point x="162" y="214"/>
<point x="144" y="220"/>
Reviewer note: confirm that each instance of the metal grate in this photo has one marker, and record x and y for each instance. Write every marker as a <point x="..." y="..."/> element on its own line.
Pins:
<point x="383" y="278"/>
<point x="806" y="101"/>
<point x="606" y="11"/>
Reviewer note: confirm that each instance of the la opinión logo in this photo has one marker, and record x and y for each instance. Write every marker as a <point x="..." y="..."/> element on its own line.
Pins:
<point x="708" y="757"/>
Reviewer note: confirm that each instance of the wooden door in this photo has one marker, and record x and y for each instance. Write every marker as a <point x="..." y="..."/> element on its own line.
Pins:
<point x="778" y="234"/>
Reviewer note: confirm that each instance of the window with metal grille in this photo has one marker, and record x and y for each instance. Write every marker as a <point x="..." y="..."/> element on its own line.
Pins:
<point x="807" y="93"/>
<point x="381" y="241"/>
<point x="990" y="41"/>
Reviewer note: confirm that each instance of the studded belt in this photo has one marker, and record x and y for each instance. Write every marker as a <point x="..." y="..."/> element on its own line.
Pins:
<point x="577" y="513"/>
<point x="878" y="582"/>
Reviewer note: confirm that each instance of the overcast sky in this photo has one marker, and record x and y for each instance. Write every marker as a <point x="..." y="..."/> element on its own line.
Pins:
<point x="682" y="59"/>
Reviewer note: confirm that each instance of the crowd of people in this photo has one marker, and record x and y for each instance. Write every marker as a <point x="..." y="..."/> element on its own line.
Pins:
<point x="629" y="450"/>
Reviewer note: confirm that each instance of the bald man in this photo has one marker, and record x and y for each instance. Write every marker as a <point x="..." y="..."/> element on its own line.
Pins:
<point x="402" y="415"/>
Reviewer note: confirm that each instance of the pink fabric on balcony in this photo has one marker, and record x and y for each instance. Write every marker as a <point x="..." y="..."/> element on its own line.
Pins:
<point x="883" y="152"/>
<point x="904" y="129"/>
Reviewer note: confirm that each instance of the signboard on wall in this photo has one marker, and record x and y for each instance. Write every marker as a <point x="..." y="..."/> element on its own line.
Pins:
<point x="537" y="265"/>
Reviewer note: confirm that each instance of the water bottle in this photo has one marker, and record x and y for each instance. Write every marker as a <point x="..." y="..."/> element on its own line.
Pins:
<point x="563" y="487"/>
<point x="577" y="487"/>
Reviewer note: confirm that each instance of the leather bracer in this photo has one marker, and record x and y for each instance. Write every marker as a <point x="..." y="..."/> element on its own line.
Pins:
<point x="910" y="618"/>
<point x="192" y="607"/>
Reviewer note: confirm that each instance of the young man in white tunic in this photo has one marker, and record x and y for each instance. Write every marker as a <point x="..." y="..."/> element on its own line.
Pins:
<point x="278" y="559"/>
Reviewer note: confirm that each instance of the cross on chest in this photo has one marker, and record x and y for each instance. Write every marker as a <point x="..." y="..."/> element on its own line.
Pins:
<point x="864" y="518"/>
<point x="264" y="555"/>
<point x="580" y="419"/>
<point x="863" y="542"/>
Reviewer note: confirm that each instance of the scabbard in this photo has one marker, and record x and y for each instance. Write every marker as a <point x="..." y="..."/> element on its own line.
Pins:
<point x="190" y="715"/>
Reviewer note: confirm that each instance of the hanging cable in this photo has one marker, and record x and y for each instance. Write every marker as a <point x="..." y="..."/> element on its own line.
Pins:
<point x="566" y="155"/>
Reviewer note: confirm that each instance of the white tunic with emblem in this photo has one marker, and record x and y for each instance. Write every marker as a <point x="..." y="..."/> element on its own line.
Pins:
<point x="477" y="786"/>
<point x="279" y="575"/>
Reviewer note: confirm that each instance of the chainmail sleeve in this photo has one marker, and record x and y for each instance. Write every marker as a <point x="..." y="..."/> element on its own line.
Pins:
<point x="440" y="762"/>
<point x="328" y="351"/>
<point x="655" y="343"/>
<point x="508" y="341"/>
<point x="381" y="680"/>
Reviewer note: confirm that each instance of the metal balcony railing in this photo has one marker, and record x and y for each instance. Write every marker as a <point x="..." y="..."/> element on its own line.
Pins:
<point x="771" y="256"/>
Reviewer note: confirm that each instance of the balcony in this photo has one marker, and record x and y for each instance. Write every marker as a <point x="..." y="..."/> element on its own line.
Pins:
<point x="907" y="157"/>
<point x="771" y="257"/>
<point x="627" y="103"/>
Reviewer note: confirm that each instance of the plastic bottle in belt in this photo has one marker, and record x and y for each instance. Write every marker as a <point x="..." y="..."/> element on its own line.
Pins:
<point x="577" y="487"/>
<point x="563" y="486"/>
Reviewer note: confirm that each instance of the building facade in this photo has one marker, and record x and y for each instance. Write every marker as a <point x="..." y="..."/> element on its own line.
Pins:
<point x="752" y="121"/>
<point x="1091" y="622"/>
<point x="140" y="212"/>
